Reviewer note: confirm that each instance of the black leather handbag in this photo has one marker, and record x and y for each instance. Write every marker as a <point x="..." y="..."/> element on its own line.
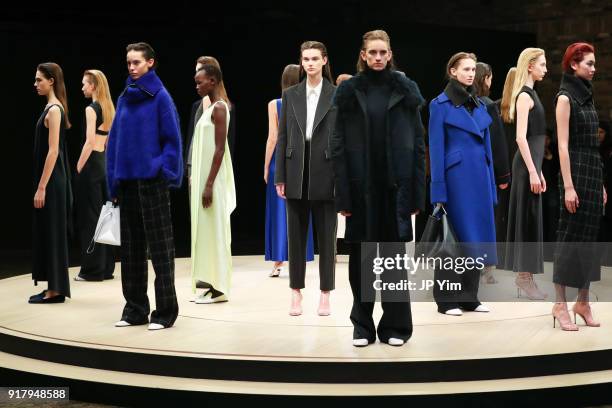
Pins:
<point x="439" y="238"/>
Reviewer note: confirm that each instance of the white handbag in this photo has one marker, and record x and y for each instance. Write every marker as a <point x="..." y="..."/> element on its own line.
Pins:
<point x="108" y="230"/>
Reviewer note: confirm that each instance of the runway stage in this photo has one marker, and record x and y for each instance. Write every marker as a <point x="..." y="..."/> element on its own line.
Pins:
<point x="250" y="345"/>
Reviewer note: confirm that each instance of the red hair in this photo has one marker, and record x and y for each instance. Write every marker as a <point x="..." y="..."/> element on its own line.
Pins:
<point x="575" y="53"/>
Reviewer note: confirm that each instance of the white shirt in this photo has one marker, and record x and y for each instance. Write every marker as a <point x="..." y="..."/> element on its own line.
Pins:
<point x="312" y="99"/>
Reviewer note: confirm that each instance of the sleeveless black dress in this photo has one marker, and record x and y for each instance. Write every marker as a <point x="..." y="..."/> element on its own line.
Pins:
<point x="577" y="261"/>
<point x="91" y="194"/>
<point x="50" y="223"/>
<point x="524" y="250"/>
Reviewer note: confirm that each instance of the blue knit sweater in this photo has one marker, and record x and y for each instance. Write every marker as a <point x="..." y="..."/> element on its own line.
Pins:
<point x="145" y="139"/>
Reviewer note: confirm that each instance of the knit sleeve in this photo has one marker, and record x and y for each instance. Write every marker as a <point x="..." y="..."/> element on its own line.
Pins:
<point x="170" y="141"/>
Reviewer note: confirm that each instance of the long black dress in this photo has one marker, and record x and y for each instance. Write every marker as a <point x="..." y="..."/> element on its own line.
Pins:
<point x="524" y="250"/>
<point x="576" y="256"/>
<point x="91" y="194"/>
<point x="50" y="223"/>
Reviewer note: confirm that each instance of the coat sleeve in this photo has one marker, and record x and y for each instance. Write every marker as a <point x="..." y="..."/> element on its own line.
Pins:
<point x="338" y="155"/>
<point x="111" y="153"/>
<point x="501" y="163"/>
<point x="437" y="152"/>
<point x="170" y="140"/>
<point x="281" y="145"/>
<point x="419" y="156"/>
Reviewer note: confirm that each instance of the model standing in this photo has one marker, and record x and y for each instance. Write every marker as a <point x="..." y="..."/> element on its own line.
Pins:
<point x="583" y="195"/>
<point x="51" y="188"/>
<point x="304" y="174"/>
<point x="499" y="146"/>
<point x="525" y="250"/>
<point x="461" y="169"/>
<point x="276" y="211"/>
<point x="144" y="160"/>
<point x="92" y="190"/>
<point x="378" y="152"/>
<point x="213" y="195"/>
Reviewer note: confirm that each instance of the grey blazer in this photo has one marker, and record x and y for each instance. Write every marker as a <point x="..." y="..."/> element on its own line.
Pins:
<point x="292" y="140"/>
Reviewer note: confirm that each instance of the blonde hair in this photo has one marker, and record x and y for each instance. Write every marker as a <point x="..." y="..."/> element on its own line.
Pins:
<point x="505" y="100"/>
<point x="204" y="60"/>
<point x="527" y="57"/>
<point x="102" y="92"/>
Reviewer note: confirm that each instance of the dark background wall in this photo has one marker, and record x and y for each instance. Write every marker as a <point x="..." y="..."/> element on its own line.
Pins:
<point x="253" y="43"/>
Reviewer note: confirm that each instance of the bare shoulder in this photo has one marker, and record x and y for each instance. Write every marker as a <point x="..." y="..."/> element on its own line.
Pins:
<point x="563" y="99"/>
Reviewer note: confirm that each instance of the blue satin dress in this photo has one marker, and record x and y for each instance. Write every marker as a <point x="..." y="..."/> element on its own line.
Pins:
<point x="276" y="218"/>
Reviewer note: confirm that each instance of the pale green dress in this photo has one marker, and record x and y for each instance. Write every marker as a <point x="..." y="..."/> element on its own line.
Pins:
<point x="211" y="234"/>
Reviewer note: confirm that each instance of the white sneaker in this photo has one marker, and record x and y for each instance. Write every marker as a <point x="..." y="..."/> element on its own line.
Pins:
<point x="393" y="341"/>
<point x="203" y="295"/>
<point x="156" y="326"/>
<point x="208" y="299"/>
<point x="122" y="323"/>
<point x="360" y="342"/>
<point x="482" y="308"/>
<point x="454" y="312"/>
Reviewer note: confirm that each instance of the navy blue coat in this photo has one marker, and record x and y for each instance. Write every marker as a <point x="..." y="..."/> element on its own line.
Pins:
<point x="462" y="171"/>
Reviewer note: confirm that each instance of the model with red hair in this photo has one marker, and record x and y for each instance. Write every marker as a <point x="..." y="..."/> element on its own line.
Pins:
<point x="583" y="195"/>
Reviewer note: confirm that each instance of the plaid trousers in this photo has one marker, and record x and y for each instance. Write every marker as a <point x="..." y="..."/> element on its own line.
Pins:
<point x="146" y="223"/>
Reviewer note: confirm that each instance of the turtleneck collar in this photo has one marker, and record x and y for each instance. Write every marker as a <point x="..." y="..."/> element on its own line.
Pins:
<point x="147" y="86"/>
<point x="460" y="95"/>
<point x="580" y="89"/>
<point x="377" y="77"/>
<point x="149" y="82"/>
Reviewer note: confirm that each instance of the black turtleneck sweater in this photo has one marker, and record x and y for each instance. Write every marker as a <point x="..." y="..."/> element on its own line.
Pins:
<point x="378" y="93"/>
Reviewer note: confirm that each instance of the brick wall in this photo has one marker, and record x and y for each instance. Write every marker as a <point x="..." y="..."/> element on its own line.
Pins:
<point x="556" y="23"/>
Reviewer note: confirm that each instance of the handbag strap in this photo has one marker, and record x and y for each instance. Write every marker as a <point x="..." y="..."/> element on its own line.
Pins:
<point x="92" y="244"/>
<point x="437" y="209"/>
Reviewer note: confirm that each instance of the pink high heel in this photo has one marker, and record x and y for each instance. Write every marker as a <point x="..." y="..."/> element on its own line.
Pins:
<point x="324" y="308"/>
<point x="584" y="311"/>
<point x="296" y="303"/>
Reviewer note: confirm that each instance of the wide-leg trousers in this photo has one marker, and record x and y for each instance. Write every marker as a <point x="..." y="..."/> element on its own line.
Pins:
<point x="146" y="224"/>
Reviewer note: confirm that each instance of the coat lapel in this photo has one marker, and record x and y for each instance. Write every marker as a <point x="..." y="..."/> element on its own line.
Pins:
<point x="395" y="98"/>
<point x="325" y="103"/>
<point x="474" y="124"/>
<point x="299" y="106"/>
<point x="361" y="98"/>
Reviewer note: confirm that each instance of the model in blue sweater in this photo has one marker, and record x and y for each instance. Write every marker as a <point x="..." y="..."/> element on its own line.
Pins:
<point x="143" y="161"/>
<point x="145" y="139"/>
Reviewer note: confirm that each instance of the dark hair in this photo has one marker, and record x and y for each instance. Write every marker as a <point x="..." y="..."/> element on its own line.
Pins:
<point x="291" y="76"/>
<point x="455" y="59"/>
<point x="308" y="45"/>
<point x="50" y="70"/>
<point x="213" y="71"/>
<point x="208" y="60"/>
<point x="371" y="36"/>
<point x="483" y="71"/>
<point x="606" y="146"/>
<point x="147" y="51"/>
<point x="575" y="53"/>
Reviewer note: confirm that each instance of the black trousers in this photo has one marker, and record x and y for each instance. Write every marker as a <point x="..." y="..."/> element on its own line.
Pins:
<point x="396" y="320"/>
<point x="91" y="194"/>
<point x="146" y="224"/>
<point x="325" y="222"/>
<point x="324" y="219"/>
<point x="463" y="295"/>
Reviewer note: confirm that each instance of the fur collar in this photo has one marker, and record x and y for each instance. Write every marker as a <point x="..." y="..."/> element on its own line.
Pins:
<point x="345" y="94"/>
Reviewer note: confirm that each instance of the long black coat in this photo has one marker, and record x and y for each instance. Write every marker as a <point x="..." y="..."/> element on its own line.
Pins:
<point x="405" y="147"/>
<point x="291" y="141"/>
